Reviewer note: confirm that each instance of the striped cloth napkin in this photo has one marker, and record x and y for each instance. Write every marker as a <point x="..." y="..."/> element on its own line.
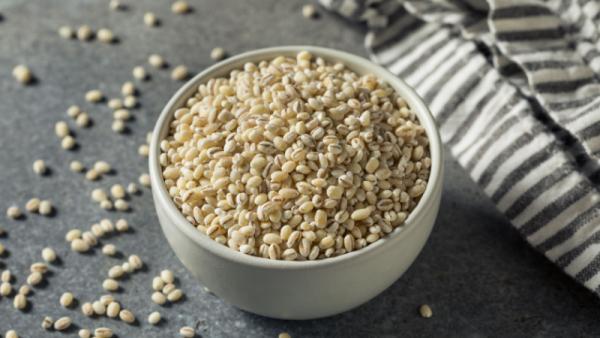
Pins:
<point x="514" y="86"/>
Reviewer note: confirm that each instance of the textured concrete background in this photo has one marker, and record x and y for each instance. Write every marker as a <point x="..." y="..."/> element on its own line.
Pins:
<point x="478" y="275"/>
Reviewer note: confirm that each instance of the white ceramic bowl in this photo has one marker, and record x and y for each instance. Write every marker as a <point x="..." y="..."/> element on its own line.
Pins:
<point x="308" y="289"/>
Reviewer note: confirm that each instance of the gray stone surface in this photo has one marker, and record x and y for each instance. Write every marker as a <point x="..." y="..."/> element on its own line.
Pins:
<point x="478" y="275"/>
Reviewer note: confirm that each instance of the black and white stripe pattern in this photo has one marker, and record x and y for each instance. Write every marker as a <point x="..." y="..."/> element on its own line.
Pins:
<point x="514" y="87"/>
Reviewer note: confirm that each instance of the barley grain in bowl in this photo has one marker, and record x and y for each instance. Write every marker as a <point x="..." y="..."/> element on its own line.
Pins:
<point x="296" y="182"/>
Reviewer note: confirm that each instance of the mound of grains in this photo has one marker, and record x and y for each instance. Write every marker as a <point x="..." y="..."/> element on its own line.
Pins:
<point x="295" y="159"/>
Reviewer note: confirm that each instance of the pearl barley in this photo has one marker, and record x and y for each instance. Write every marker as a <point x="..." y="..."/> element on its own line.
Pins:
<point x="179" y="73"/>
<point x="39" y="167"/>
<point x="180" y="7"/>
<point x="150" y="19"/>
<point x="105" y="35"/>
<point x="154" y="318"/>
<point x="156" y="61"/>
<point x="217" y="54"/>
<point x="49" y="255"/>
<point x="22" y="74"/>
<point x="327" y="161"/>
<point x="139" y="73"/>
<point x="94" y="96"/>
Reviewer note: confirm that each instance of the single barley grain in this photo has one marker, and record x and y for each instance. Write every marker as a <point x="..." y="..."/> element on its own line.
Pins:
<point x="97" y="230"/>
<point x="99" y="308"/>
<point x="99" y="195"/>
<point x="217" y="54"/>
<point x="66" y="300"/>
<point x="121" y="225"/>
<point x="84" y="333"/>
<point x="45" y="207"/>
<point x="187" y="332"/>
<point x="156" y="61"/>
<point x="179" y="73"/>
<point x="66" y="32"/>
<point x="33" y="205"/>
<point x="157" y="283"/>
<point x="106" y="205"/>
<point x="128" y="88"/>
<point x="127" y="267"/>
<point x="62" y="324"/>
<point x="87" y="309"/>
<point x="79" y="245"/>
<point x="49" y="255"/>
<point x="76" y="166"/>
<point x="5" y="289"/>
<point x="94" y="96"/>
<point x="6" y="276"/>
<point x="309" y="11"/>
<point x="107" y="299"/>
<point x="121" y="205"/>
<point x="135" y="261"/>
<point x="24" y="290"/>
<point x="20" y="302"/>
<point x="103" y="332"/>
<point x="110" y="285"/>
<point x="154" y="318"/>
<point x="107" y="226"/>
<point x="11" y="334"/>
<point x="130" y="101"/>
<point x="122" y="114"/>
<point x="168" y="288"/>
<point x="35" y="278"/>
<point x="118" y="126"/>
<point x="180" y="7"/>
<point x="127" y="316"/>
<point x="425" y="311"/>
<point x="175" y="295"/>
<point x="109" y="250"/>
<point x="102" y="167"/>
<point x="144" y="150"/>
<point x="159" y="298"/>
<point x="284" y="335"/>
<point x="22" y="74"/>
<point x="61" y="129"/>
<point x="115" y="103"/>
<point x="47" y="323"/>
<point x="85" y="33"/>
<point x="117" y="191"/>
<point x="150" y="19"/>
<point x="13" y="212"/>
<point x="39" y="267"/>
<point x="113" y="309"/>
<point x="89" y="238"/>
<point x="116" y="272"/>
<point x="167" y="276"/>
<point x="116" y="5"/>
<point x="39" y="167"/>
<point x="72" y="235"/>
<point x="132" y="188"/>
<point x="68" y="142"/>
<point x="105" y="35"/>
<point x="139" y="73"/>
<point x="144" y="180"/>
<point x="73" y="111"/>
<point x="83" y="120"/>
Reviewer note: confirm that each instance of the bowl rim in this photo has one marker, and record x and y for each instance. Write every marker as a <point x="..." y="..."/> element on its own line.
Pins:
<point x="162" y="197"/>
